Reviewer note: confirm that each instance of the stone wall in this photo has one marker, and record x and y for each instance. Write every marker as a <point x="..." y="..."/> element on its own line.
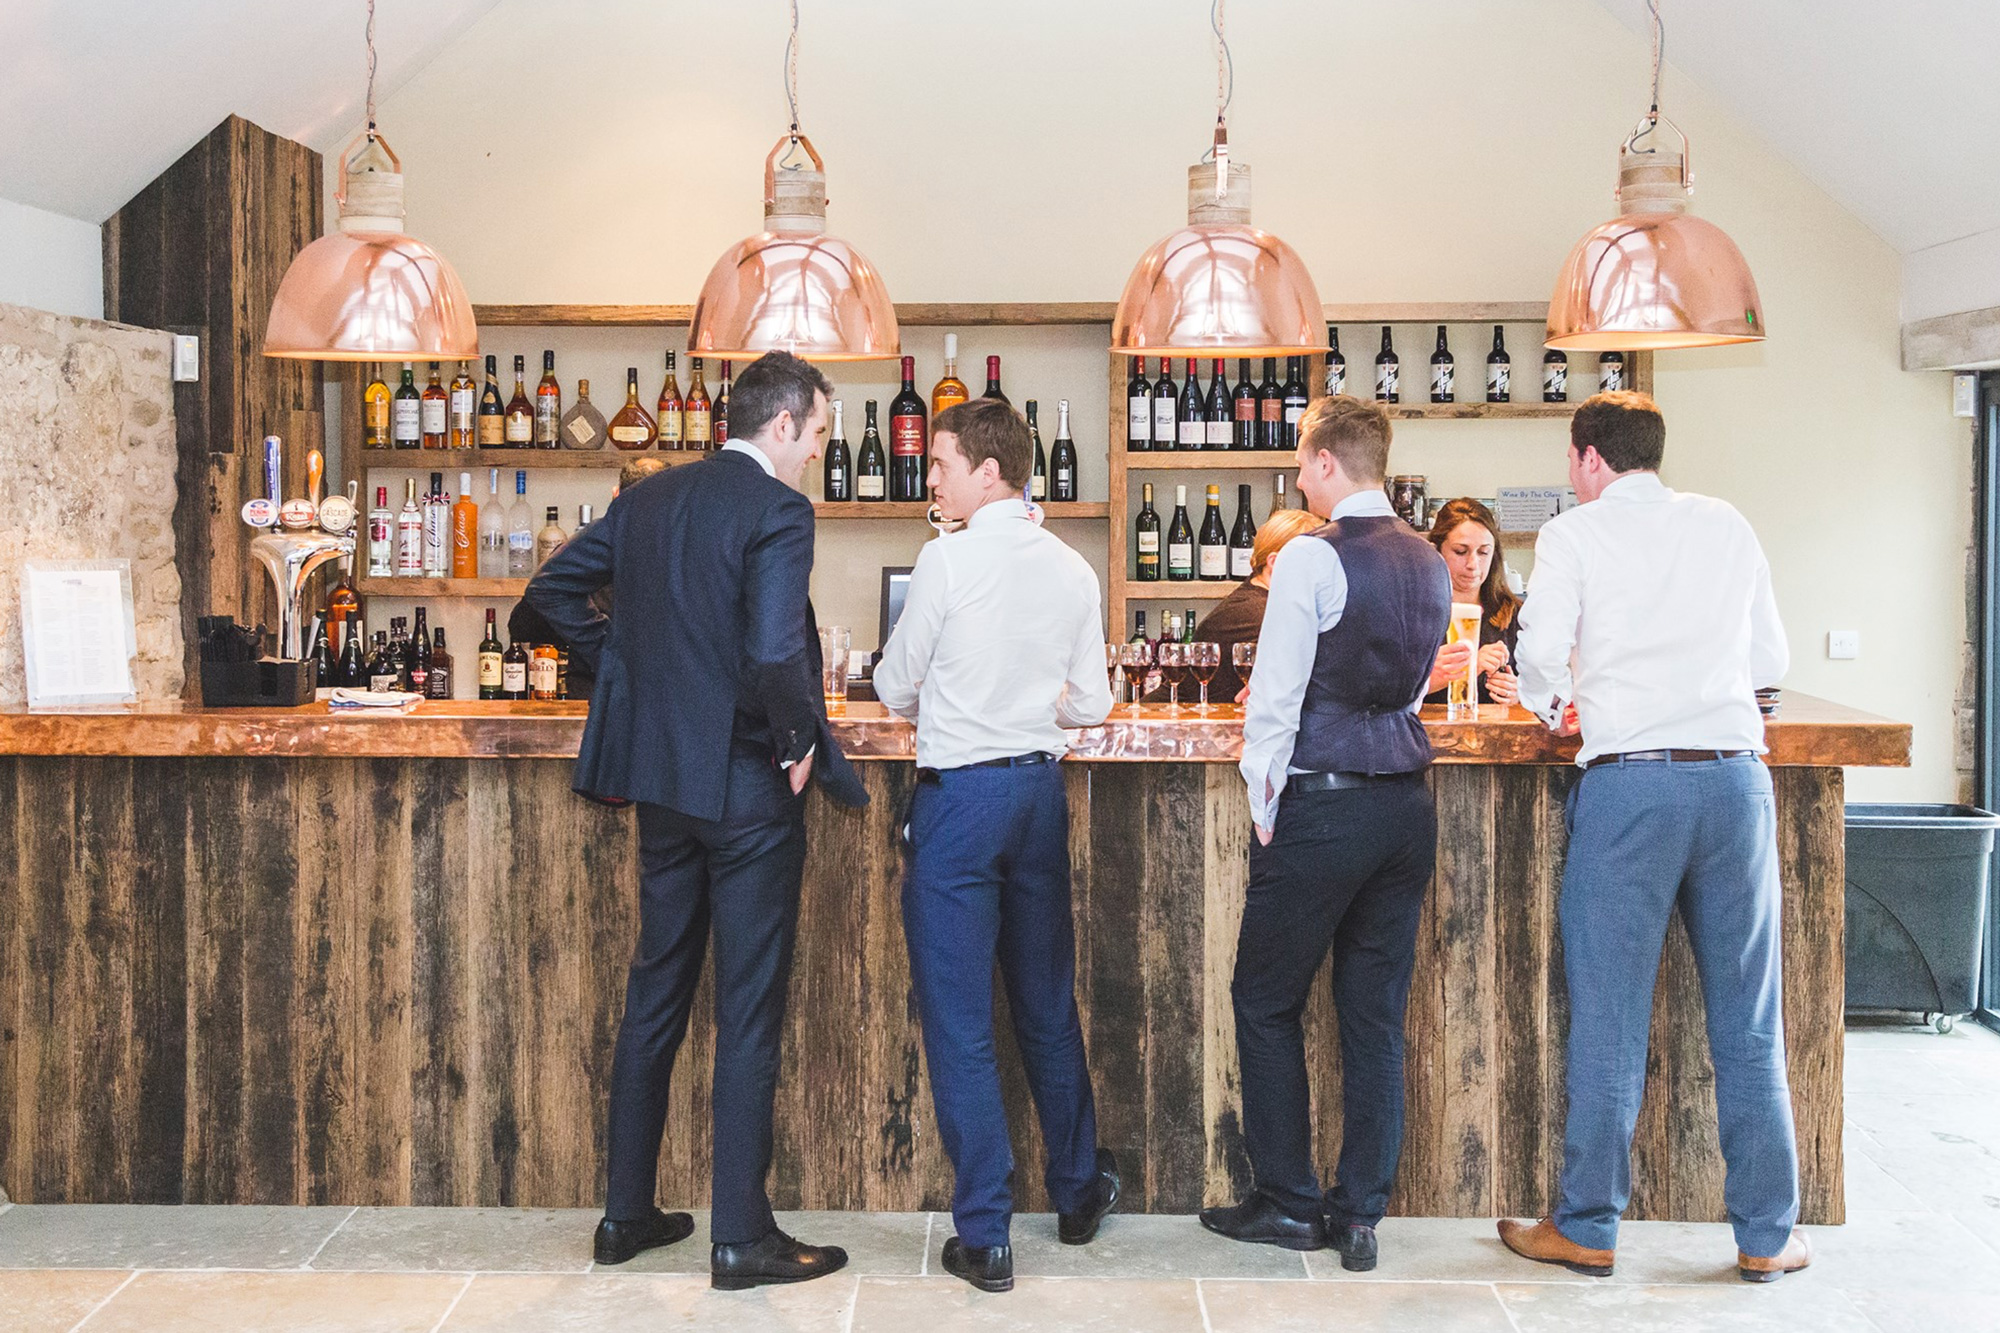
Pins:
<point x="87" y="464"/>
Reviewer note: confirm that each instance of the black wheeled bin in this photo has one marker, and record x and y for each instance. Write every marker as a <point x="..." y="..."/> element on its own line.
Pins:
<point x="1916" y="907"/>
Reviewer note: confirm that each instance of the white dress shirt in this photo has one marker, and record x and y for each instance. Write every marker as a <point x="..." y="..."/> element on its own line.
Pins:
<point x="745" y="447"/>
<point x="1308" y="595"/>
<point x="1000" y="644"/>
<point x="1651" y="610"/>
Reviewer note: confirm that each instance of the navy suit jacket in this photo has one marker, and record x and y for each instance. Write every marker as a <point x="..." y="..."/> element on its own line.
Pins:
<point x="709" y="675"/>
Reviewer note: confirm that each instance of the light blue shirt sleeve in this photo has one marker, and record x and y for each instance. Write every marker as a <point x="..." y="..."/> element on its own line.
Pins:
<point x="1307" y="597"/>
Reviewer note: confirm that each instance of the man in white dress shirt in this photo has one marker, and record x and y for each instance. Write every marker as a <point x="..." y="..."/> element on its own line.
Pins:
<point x="999" y="647"/>
<point x="1662" y="600"/>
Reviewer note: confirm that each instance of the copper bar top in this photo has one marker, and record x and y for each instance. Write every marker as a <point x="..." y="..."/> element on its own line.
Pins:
<point x="1808" y="732"/>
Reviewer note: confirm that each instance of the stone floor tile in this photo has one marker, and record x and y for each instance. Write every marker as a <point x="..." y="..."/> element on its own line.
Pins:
<point x="890" y="1244"/>
<point x="571" y="1303"/>
<point x="1929" y="1311"/>
<point x="1786" y="1306"/>
<point x="1451" y="1249"/>
<point x="1869" y="1187"/>
<point x="1968" y="1113"/>
<point x="45" y="1235"/>
<point x="1983" y="1221"/>
<point x="1890" y="1251"/>
<point x="1900" y="1072"/>
<point x="279" y="1303"/>
<point x="52" y="1300"/>
<point x="1135" y="1245"/>
<point x="1359" y="1307"/>
<point x="946" y="1305"/>
<point x="1945" y="1168"/>
<point x="462" y="1240"/>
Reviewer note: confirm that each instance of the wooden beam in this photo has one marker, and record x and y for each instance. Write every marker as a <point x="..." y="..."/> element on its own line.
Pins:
<point x="1968" y="340"/>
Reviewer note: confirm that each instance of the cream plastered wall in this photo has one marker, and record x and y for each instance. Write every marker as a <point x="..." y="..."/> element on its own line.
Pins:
<point x="1029" y="150"/>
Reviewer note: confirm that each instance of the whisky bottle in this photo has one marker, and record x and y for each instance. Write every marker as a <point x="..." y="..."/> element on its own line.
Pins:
<point x="950" y="390"/>
<point x="543" y="673"/>
<point x="837" y="475"/>
<point x="434" y="411"/>
<point x="490" y="653"/>
<point x="631" y="427"/>
<point x="439" y="685"/>
<point x="464" y="409"/>
<point x="406" y="418"/>
<point x="375" y="414"/>
<point x="514" y="671"/>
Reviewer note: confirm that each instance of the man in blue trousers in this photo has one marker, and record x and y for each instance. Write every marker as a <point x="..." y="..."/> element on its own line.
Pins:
<point x="1650" y="625"/>
<point x="1000" y="646"/>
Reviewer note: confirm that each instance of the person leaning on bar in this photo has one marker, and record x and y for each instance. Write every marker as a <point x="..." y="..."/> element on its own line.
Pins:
<point x="1664" y="598"/>
<point x="1239" y="616"/>
<point x="999" y="647"/>
<point x="1334" y="756"/>
<point x="1468" y="538"/>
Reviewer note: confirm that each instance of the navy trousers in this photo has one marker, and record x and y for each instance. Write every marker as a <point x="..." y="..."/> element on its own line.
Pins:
<point x="988" y="878"/>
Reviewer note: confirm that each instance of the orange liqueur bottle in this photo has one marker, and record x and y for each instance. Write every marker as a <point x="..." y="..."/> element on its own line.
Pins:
<point x="631" y="428"/>
<point x="950" y="389"/>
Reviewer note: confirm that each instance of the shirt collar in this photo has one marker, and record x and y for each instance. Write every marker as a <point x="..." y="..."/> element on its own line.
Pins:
<point x="1642" y="487"/>
<point x="745" y="447"/>
<point x="1363" y="504"/>
<point x="995" y="512"/>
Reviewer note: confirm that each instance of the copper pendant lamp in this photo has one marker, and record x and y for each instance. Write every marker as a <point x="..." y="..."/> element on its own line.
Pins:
<point x="1219" y="286"/>
<point x="791" y="287"/>
<point x="367" y="292"/>
<point x="1655" y="276"/>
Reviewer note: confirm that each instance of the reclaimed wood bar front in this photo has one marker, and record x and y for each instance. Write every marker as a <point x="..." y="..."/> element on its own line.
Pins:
<point x="278" y="956"/>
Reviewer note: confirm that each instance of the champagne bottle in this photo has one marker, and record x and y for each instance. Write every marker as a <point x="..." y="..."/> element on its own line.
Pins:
<point x="871" y="477"/>
<point x="1180" y="541"/>
<point x="1038" y="475"/>
<point x="719" y="418"/>
<point x="1147" y="531"/>
<point x="837" y="478"/>
<point x="1213" y="543"/>
<point x="1242" y="537"/>
<point x="1442" y="371"/>
<point x="492" y="427"/>
<point x="1499" y="369"/>
<point x="1062" y="460"/>
<point x="1388" y="371"/>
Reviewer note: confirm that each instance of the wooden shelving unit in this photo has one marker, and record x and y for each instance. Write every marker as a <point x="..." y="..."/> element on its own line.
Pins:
<point x="905" y="510"/>
<point x="444" y="460"/>
<point x="431" y="588"/>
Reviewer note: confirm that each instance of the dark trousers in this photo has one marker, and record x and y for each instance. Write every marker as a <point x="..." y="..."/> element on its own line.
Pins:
<point x="988" y="877"/>
<point x="743" y="879"/>
<point x="1345" y="870"/>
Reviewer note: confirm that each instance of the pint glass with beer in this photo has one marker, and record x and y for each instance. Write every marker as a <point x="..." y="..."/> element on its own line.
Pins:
<point x="1462" y="693"/>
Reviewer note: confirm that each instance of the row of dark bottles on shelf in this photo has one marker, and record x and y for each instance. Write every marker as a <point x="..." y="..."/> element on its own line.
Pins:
<point x="865" y="476"/>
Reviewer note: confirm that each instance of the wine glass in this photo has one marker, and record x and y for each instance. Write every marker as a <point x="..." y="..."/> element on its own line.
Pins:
<point x="1243" y="656"/>
<point x="1204" y="659"/>
<point x="1171" y="657"/>
<point x="1134" y="658"/>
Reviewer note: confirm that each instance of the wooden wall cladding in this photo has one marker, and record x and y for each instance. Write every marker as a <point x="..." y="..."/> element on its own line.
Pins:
<point x="386" y="981"/>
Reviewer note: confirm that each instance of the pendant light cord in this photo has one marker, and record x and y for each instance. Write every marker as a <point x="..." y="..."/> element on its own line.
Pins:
<point x="792" y="70"/>
<point x="1650" y="122"/>
<point x="371" y="70"/>
<point x="1225" y="73"/>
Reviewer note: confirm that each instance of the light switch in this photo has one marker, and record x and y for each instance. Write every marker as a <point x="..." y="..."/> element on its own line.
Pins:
<point x="187" y="358"/>
<point x="1842" y="644"/>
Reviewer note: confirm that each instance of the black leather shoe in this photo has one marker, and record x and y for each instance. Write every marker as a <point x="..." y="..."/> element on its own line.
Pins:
<point x="1356" y="1245"/>
<point x="1259" y="1220"/>
<point x="989" y="1269"/>
<point x="1080" y="1227"/>
<point x="618" y="1241"/>
<point x="774" y="1259"/>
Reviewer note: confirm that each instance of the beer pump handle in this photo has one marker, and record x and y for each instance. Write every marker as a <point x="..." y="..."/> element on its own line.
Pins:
<point x="273" y="468"/>
<point x="315" y="475"/>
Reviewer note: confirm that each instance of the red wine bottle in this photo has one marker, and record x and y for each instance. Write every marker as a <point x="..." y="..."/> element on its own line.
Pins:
<point x="1245" y="400"/>
<point x="993" y="379"/>
<point x="909" y="439"/>
<point x="1221" y="429"/>
<point x="1138" y="409"/>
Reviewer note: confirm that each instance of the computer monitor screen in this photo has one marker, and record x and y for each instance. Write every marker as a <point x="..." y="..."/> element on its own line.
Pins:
<point x="895" y="587"/>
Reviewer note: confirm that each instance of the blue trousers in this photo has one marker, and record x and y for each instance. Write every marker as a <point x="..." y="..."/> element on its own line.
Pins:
<point x="1645" y="839"/>
<point x="987" y="879"/>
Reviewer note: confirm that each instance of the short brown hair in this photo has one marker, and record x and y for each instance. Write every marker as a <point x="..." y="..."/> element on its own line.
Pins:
<point x="1354" y="432"/>
<point x="1278" y="529"/>
<point x="1625" y="428"/>
<point x="638" y="469"/>
<point x="990" y="428"/>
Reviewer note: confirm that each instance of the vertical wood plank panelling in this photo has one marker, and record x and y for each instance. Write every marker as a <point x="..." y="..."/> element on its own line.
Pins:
<point x="17" y="1020"/>
<point x="1121" y="832"/>
<point x="441" y="865"/>
<point x="1170" y="943"/>
<point x="1226" y="838"/>
<point x="1528" y="842"/>
<point x="496" y="913"/>
<point x="1812" y="855"/>
<point x="158" y="853"/>
<point x="1465" y="894"/>
<point x="1422" y="1179"/>
<point x="54" y="1052"/>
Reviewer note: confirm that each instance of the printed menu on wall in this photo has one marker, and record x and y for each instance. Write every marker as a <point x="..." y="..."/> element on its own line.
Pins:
<point x="78" y="636"/>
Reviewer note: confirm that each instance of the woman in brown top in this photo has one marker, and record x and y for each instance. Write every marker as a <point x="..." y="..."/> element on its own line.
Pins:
<point x="1468" y="538"/>
<point x="1241" y="614"/>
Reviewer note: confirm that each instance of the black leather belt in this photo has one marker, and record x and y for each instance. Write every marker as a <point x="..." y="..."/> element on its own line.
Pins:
<point x="1669" y="757"/>
<point x="1008" y="761"/>
<point x="1343" y="781"/>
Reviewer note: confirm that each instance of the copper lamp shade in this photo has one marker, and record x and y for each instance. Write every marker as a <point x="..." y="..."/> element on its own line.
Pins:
<point x="791" y="287"/>
<point x="1219" y="286"/>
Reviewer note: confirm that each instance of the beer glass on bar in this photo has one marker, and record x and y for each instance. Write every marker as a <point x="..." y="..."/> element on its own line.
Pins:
<point x="1462" y="693"/>
<point x="834" y="641"/>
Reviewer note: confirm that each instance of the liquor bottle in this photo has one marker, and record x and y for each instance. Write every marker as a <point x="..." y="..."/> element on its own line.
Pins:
<point x="381" y="669"/>
<point x="1242" y="536"/>
<point x="1555" y="376"/>
<point x="548" y="405"/>
<point x="381" y="537"/>
<point x="520" y="531"/>
<point x="550" y="539"/>
<point x="871" y="472"/>
<point x="667" y="412"/>
<point x="406" y="417"/>
<point x="993" y="380"/>
<point x="1442" y="372"/>
<point x="1295" y="399"/>
<point x="543" y="673"/>
<point x="909" y="438"/>
<point x="410" y="534"/>
<point x="1212" y="545"/>
<point x="719" y="419"/>
<point x="375" y="414"/>
<point x="1180" y="541"/>
<point x="1166" y="408"/>
<point x="1336" y="364"/>
<point x="1062" y="460"/>
<point x="1138" y="628"/>
<point x="950" y="390"/>
<point x="1187" y="626"/>
<point x="1499" y="369"/>
<point x="1192" y="433"/>
<point x="1038" y="475"/>
<point x="837" y="481"/>
<point x="465" y="531"/>
<point x="583" y="425"/>
<point x="584" y="518"/>
<point x="1270" y="408"/>
<point x="490" y="653"/>
<point x="698" y="420"/>
<point x="434" y="411"/>
<point x="492" y="531"/>
<point x="437" y="530"/>
<point x="417" y="653"/>
<point x="492" y="427"/>
<point x="1611" y="372"/>
<point x="562" y="673"/>
<point x="1221" y="428"/>
<point x="1148" y="532"/>
<point x="1388" y="371"/>
<point x="353" y="669"/>
<point x="1244" y="435"/>
<point x="632" y="426"/>
<point x="439" y="686"/>
<point x="463" y="408"/>
<point x="342" y="600"/>
<point x="514" y="671"/>
<point x="1278" y="498"/>
<point x="1138" y="409"/>
<point x="520" y="409"/>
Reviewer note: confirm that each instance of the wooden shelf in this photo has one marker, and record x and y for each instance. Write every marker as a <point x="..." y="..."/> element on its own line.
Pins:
<point x="1480" y="411"/>
<point x="1198" y="460"/>
<point x="424" y="588"/>
<point x="446" y="460"/>
<point x="916" y="509"/>
<point x="1201" y="590"/>
<point x="1438" y="312"/>
<point x="956" y="314"/>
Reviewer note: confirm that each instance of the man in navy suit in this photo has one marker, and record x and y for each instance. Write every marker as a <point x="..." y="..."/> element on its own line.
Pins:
<point x="708" y="713"/>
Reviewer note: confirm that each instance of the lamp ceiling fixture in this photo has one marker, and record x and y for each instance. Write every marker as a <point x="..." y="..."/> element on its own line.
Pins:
<point x="367" y="292"/>
<point x="1656" y="276"/>
<point x="791" y="287"/>
<point x="1219" y="286"/>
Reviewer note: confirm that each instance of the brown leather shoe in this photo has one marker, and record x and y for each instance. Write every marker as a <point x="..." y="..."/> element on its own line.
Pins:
<point x="1541" y="1242"/>
<point x="1797" y="1254"/>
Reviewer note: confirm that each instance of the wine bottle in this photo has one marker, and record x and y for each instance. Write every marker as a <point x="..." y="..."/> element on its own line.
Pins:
<point x="1148" y="532"/>
<point x="1611" y="372"/>
<point x="417" y="653"/>
<point x="1336" y="364"/>
<point x="406" y="418"/>
<point x="1278" y="499"/>
<point x="1270" y="408"/>
<point x="909" y="438"/>
<point x="353" y="661"/>
<point x="1388" y="371"/>
<point x="950" y="390"/>
<point x="837" y="480"/>
<point x="667" y="411"/>
<point x="1499" y="369"/>
<point x="1555" y="376"/>
<point x="492" y="411"/>
<point x="1187" y="626"/>
<point x="1062" y="459"/>
<point x="1212" y="545"/>
<point x="1442" y="369"/>
<point x="1166" y="408"/>
<point x="870" y="478"/>
<point x="464" y="409"/>
<point x="548" y="405"/>
<point x="993" y="379"/>
<point x="1295" y="399"/>
<point x="375" y="414"/>
<point x="719" y="417"/>
<point x="698" y="422"/>
<point x="583" y="424"/>
<point x="490" y="653"/>
<point x="1242" y="536"/>
<point x="1193" y="413"/>
<point x="1221" y="427"/>
<point x="1038" y="475"/>
<point x="1138" y="628"/>
<point x="631" y="426"/>
<point x="1245" y="400"/>
<point x="520" y="409"/>
<point x="1180" y="541"/>
<point x="1138" y="409"/>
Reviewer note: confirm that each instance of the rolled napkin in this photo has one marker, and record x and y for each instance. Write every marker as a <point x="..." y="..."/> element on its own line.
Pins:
<point x="344" y="697"/>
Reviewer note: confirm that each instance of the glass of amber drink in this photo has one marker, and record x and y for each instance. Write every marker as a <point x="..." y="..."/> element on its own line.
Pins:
<point x="1462" y="693"/>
